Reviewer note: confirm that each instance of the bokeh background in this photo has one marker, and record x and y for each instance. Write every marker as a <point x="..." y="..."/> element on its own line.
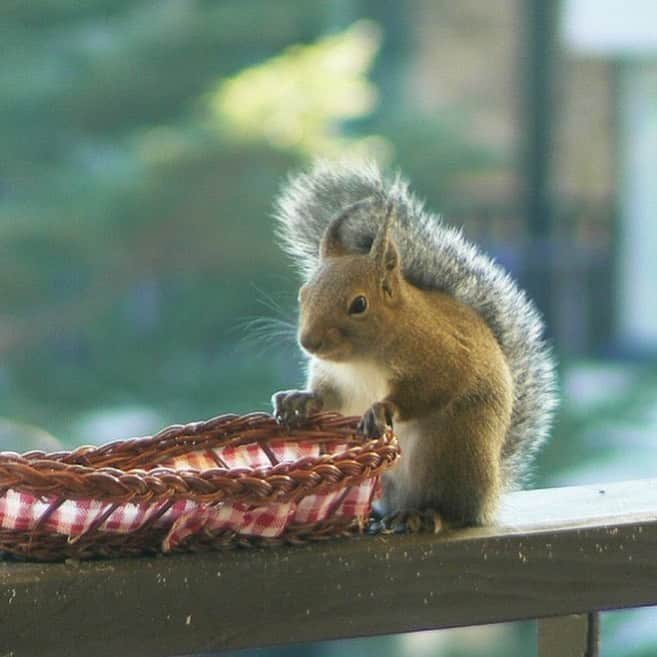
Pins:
<point x="142" y="143"/>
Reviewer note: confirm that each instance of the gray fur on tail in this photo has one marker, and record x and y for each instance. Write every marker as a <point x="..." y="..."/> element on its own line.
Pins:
<point x="433" y="256"/>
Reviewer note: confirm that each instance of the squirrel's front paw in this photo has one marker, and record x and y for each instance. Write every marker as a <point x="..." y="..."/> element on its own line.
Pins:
<point x="291" y="407"/>
<point x="375" y="420"/>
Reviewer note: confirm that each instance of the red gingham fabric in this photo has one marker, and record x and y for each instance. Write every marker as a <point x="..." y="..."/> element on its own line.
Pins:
<point x="24" y="512"/>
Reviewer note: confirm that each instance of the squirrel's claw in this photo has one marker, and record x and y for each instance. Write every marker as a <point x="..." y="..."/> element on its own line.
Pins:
<point x="292" y="407"/>
<point x="375" y="420"/>
<point x="407" y="522"/>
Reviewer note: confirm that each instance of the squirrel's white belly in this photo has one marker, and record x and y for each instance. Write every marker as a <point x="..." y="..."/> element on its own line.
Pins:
<point x="358" y="384"/>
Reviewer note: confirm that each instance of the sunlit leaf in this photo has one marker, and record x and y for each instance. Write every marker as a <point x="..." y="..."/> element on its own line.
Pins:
<point x="299" y="99"/>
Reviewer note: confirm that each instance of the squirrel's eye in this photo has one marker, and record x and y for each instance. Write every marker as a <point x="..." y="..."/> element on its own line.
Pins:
<point x="358" y="305"/>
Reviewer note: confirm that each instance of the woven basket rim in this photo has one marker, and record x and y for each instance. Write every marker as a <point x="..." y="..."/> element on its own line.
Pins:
<point x="107" y="472"/>
<point x="92" y="473"/>
<point x="332" y="425"/>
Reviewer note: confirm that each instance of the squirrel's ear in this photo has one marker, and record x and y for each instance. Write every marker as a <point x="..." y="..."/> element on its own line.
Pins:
<point x="383" y="250"/>
<point x="331" y="244"/>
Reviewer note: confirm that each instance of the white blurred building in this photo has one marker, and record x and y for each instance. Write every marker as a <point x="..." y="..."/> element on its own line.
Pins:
<point x="625" y="31"/>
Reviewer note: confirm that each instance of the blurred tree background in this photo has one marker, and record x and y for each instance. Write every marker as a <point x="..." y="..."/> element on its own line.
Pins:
<point x="143" y="143"/>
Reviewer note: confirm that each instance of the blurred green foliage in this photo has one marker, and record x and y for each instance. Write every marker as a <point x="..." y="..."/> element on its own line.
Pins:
<point x="299" y="99"/>
<point x="143" y="144"/>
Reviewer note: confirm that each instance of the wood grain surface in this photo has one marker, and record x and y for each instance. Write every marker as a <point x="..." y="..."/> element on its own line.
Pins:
<point x="553" y="553"/>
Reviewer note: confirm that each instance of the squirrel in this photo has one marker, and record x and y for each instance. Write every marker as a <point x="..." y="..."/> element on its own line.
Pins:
<point x="405" y="323"/>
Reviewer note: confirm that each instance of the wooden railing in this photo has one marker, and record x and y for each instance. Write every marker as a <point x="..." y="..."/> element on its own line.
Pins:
<point x="559" y="555"/>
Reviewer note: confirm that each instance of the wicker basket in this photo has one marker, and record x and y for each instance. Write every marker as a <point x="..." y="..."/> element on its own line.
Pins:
<point x="179" y="490"/>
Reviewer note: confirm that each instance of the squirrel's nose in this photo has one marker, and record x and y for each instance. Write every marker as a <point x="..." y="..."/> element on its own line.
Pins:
<point x="310" y="342"/>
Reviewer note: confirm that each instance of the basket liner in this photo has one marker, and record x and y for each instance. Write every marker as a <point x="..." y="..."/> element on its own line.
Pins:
<point x="228" y="478"/>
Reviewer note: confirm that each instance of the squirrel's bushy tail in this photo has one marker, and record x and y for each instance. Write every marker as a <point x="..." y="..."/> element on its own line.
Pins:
<point x="433" y="256"/>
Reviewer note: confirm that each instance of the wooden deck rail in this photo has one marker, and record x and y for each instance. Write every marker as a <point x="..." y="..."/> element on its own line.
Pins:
<point x="554" y="553"/>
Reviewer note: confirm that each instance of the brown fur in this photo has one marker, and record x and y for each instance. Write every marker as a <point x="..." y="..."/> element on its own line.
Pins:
<point x="449" y="389"/>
